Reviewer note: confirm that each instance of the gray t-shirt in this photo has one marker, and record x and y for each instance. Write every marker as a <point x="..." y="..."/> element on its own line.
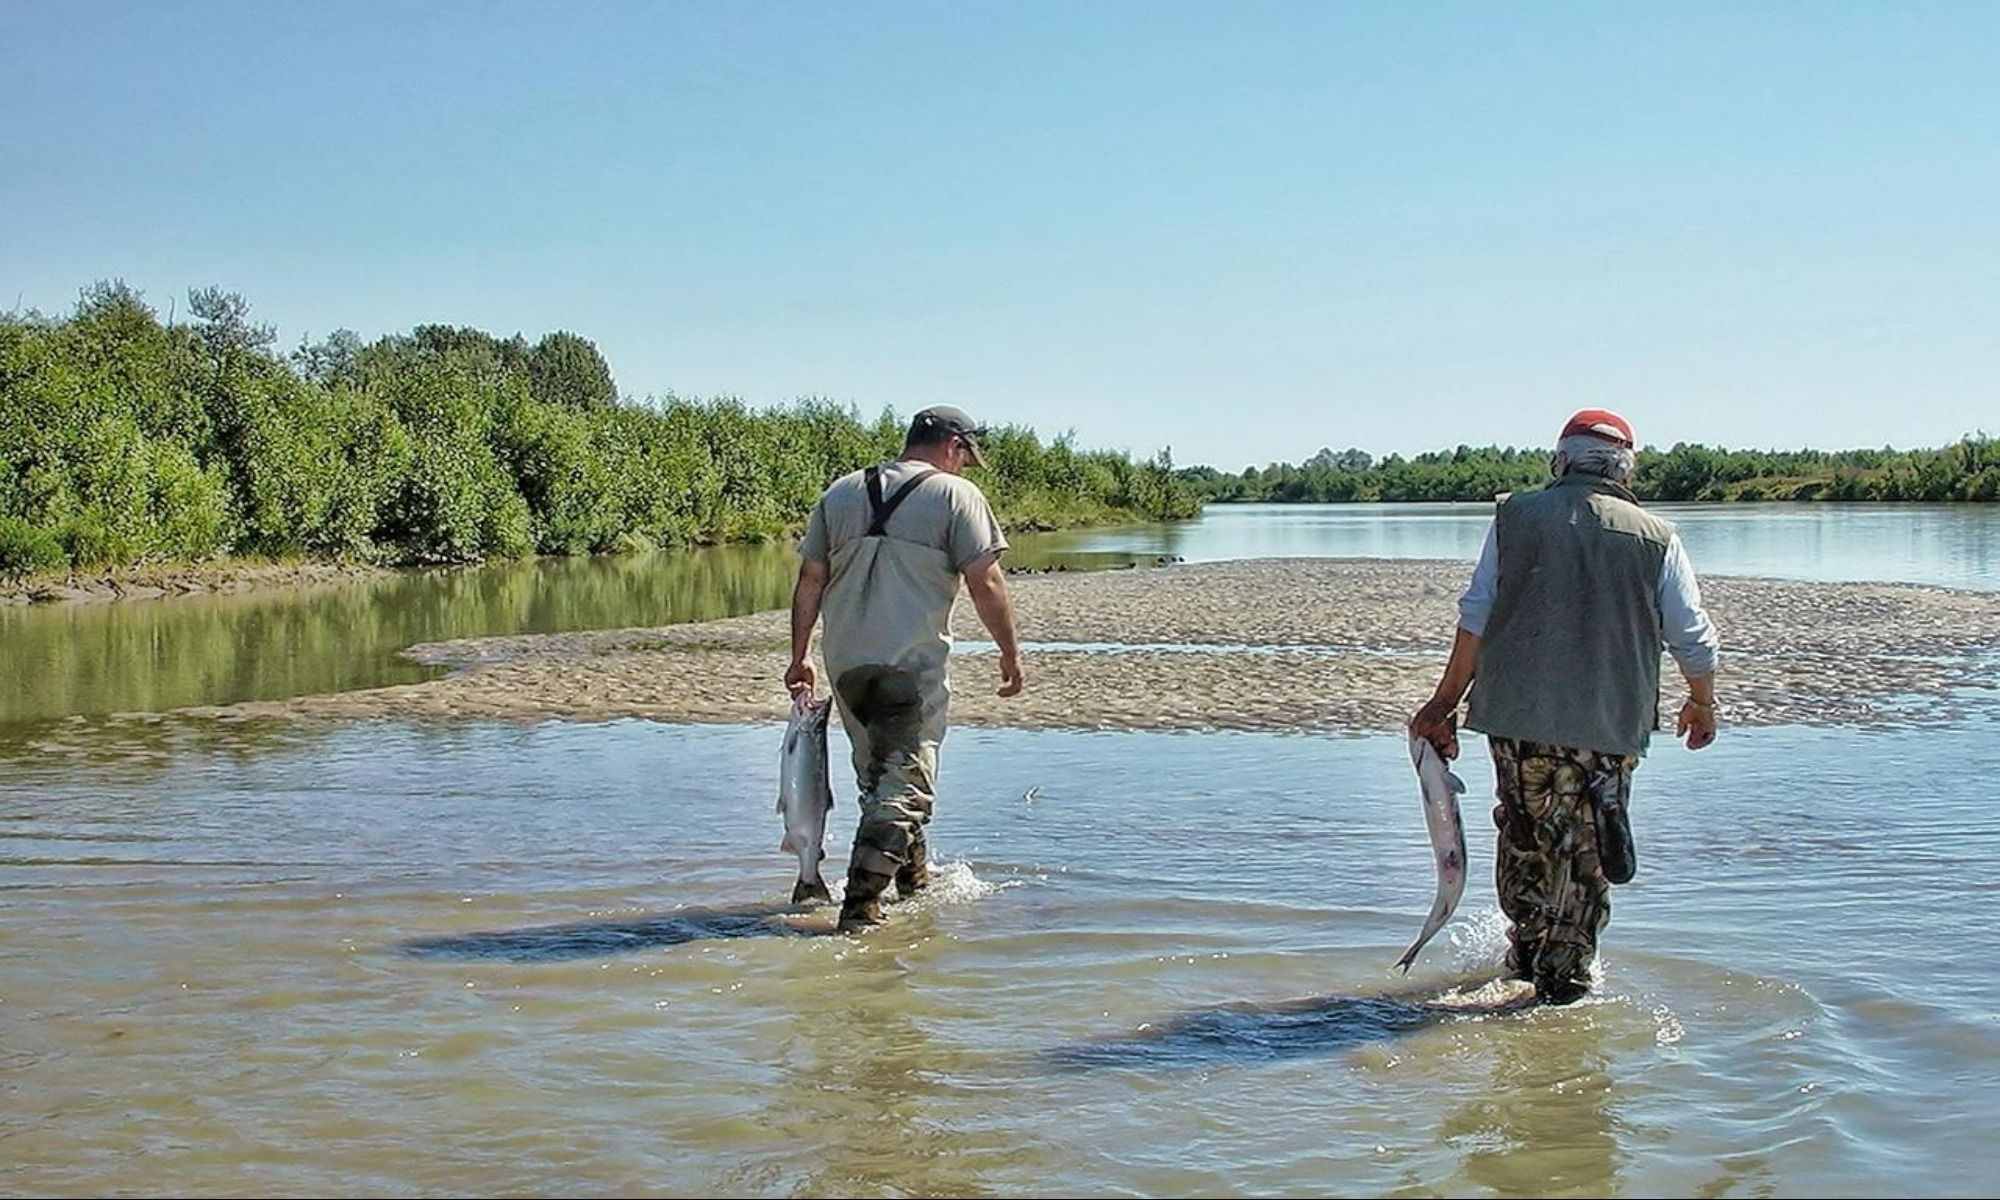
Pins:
<point x="946" y="512"/>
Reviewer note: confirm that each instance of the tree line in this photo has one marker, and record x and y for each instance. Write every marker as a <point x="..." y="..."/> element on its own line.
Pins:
<point x="1969" y="469"/>
<point x="128" y="439"/>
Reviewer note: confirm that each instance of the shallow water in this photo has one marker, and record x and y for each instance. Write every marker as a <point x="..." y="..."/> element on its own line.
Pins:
<point x="1947" y="545"/>
<point x="405" y="958"/>
<point x="398" y="958"/>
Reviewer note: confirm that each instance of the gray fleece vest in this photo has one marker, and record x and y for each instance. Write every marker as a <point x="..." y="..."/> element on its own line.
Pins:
<point x="1571" y="653"/>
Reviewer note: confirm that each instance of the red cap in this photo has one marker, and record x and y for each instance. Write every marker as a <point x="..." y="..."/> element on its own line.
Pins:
<point x="1601" y="422"/>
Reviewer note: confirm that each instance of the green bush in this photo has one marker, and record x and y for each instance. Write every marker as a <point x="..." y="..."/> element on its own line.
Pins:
<point x="559" y="468"/>
<point x="189" y="508"/>
<point x="27" y="550"/>
<point x="93" y="538"/>
<point x="123" y="439"/>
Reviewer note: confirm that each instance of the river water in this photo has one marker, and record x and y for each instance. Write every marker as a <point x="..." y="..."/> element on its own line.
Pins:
<point x="408" y="958"/>
<point x="1947" y="545"/>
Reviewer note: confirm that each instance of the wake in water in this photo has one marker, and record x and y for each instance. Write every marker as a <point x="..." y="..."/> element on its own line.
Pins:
<point x="1479" y="944"/>
<point x="1479" y="940"/>
<point x="952" y="882"/>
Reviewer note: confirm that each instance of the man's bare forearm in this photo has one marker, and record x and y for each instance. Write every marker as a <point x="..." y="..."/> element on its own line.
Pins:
<point x="1459" y="669"/>
<point x="990" y="599"/>
<point x="806" y="596"/>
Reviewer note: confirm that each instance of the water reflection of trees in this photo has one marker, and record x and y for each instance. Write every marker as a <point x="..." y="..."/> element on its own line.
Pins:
<point x="150" y="656"/>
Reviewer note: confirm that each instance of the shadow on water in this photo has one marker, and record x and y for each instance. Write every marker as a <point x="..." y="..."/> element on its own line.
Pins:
<point x="1248" y="1032"/>
<point x="596" y="939"/>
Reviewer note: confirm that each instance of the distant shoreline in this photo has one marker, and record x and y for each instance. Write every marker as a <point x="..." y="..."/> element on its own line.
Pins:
<point x="1966" y="470"/>
<point x="1711" y="502"/>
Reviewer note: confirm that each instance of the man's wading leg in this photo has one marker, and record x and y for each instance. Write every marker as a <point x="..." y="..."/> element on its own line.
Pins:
<point x="915" y="873"/>
<point x="883" y="708"/>
<point x="1551" y="884"/>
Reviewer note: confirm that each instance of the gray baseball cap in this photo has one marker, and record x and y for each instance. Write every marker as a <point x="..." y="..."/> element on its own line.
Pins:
<point x="954" y="421"/>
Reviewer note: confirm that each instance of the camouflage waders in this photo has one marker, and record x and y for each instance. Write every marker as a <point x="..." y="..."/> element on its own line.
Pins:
<point x="887" y="639"/>
<point x="1546" y="864"/>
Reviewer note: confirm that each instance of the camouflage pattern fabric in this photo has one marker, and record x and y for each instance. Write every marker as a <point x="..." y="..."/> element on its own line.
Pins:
<point x="1546" y="865"/>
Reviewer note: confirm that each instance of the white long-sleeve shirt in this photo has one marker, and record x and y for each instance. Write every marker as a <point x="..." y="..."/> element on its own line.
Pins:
<point x="1689" y="634"/>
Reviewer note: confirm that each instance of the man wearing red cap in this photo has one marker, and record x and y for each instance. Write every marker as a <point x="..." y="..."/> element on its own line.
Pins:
<point x="1576" y="593"/>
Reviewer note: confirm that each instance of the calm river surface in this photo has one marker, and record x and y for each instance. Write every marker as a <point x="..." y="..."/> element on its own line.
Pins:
<point x="406" y="958"/>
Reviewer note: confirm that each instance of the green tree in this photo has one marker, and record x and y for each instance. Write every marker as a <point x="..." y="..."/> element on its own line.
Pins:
<point x="567" y="370"/>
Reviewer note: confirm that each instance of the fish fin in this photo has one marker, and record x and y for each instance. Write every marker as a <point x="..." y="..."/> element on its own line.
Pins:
<point x="780" y="807"/>
<point x="787" y="844"/>
<point x="810" y="889"/>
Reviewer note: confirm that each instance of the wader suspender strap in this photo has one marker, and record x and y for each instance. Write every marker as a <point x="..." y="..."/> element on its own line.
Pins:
<point x="884" y="509"/>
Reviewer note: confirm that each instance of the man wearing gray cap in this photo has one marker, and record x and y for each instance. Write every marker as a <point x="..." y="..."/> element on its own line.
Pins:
<point x="881" y="561"/>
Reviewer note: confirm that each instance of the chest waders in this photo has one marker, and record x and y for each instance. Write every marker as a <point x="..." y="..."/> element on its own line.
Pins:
<point x="888" y="613"/>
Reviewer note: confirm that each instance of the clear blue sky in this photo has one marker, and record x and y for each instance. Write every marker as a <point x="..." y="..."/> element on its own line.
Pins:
<point x="1245" y="230"/>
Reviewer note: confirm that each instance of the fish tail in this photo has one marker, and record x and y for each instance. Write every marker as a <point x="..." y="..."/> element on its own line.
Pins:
<point x="810" y="889"/>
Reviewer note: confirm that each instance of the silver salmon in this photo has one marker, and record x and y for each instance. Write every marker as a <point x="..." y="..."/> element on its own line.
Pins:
<point x="1441" y="790"/>
<point x="805" y="794"/>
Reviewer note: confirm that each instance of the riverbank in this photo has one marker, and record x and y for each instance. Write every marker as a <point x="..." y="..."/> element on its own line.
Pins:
<point x="1300" y="645"/>
<point x="169" y="580"/>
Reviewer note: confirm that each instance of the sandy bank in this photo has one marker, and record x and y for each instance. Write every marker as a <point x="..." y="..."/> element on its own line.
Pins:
<point x="1322" y="645"/>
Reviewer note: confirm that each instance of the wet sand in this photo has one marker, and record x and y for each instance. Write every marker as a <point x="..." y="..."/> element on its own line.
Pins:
<point x="1304" y="645"/>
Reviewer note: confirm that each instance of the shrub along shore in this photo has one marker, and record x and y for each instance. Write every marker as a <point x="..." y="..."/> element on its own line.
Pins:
<point x="128" y="441"/>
